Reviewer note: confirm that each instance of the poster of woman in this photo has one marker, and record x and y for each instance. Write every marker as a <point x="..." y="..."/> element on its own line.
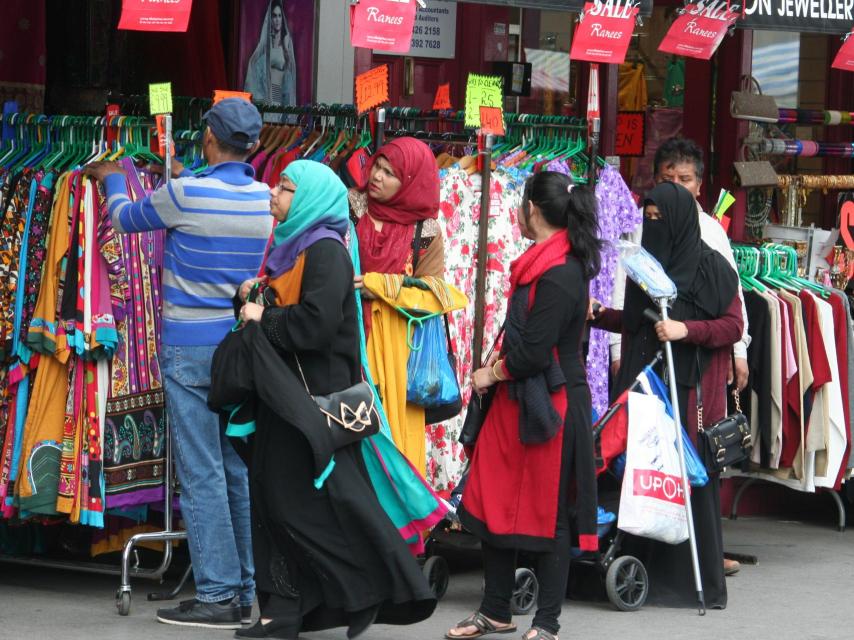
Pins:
<point x="277" y="50"/>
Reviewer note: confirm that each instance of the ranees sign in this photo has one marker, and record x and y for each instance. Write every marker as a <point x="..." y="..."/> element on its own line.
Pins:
<point x="605" y="30"/>
<point x="698" y="32"/>
<point x="384" y="25"/>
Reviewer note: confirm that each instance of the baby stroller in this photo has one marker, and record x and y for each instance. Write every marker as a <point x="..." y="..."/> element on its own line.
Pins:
<point x="450" y="534"/>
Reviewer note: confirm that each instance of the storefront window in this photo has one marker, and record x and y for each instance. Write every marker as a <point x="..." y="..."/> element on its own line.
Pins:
<point x="776" y="56"/>
<point x="546" y="40"/>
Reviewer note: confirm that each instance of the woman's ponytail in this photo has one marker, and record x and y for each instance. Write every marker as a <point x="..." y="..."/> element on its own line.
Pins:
<point x="572" y="207"/>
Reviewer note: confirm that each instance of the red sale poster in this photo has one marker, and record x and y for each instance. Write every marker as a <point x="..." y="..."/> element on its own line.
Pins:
<point x="382" y="24"/>
<point x="142" y="15"/>
<point x="845" y="57"/>
<point x="698" y="32"/>
<point x="604" y="33"/>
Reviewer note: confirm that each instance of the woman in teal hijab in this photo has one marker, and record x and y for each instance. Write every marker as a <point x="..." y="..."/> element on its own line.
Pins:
<point x="310" y="203"/>
<point x="326" y="552"/>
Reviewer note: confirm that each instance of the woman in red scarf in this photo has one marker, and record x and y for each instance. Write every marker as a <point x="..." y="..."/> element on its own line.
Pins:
<point x="533" y="463"/>
<point x="402" y="193"/>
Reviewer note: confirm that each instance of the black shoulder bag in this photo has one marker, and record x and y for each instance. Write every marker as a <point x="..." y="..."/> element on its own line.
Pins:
<point x="478" y="405"/>
<point x="434" y="415"/>
<point x="728" y="441"/>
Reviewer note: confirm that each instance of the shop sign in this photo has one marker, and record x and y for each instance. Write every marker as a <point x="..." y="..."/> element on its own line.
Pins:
<point x="155" y="15"/>
<point x="604" y="32"/>
<point x="698" y="32"/>
<point x="442" y="100"/>
<point x="631" y="133"/>
<point x="384" y="25"/>
<point x="434" y="34"/>
<point x="372" y="88"/>
<point x="482" y="91"/>
<point x="804" y="16"/>
<point x="845" y="56"/>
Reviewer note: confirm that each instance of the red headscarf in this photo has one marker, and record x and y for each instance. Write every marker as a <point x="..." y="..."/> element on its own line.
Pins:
<point x="386" y="251"/>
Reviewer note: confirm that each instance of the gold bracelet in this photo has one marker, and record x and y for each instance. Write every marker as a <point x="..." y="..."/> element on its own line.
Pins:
<point x="495" y="373"/>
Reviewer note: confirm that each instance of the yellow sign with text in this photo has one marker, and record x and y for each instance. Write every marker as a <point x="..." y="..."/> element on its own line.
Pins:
<point x="160" y="97"/>
<point x="482" y="91"/>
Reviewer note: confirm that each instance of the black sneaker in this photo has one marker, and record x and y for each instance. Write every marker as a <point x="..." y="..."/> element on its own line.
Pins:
<point x="211" y="615"/>
<point x="246" y="614"/>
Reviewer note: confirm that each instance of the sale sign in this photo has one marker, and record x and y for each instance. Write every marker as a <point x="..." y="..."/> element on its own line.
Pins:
<point x="492" y="121"/>
<point x="382" y="24"/>
<point x="442" y="100"/>
<point x="482" y="91"/>
<point x="698" y="32"/>
<point x="845" y="57"/>
<point x="145" y="15"/>
<point x="372" y="88"/>
<point x="222" y="94"/>
<point x="605" y="30"/>
<point x="630" y="133"/>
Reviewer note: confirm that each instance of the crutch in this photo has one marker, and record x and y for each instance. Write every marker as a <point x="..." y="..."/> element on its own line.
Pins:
<point x="686" y="489"/>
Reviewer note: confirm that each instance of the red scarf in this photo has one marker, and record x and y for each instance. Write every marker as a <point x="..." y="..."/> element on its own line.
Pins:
<point x="388" y="250"/>
<point x="528" y="267"/>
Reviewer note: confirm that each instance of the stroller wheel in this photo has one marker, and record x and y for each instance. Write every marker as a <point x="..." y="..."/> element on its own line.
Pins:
<point x="524" y="593"/>
<point x="627" y="583"/>
<point x="436" y="571"/>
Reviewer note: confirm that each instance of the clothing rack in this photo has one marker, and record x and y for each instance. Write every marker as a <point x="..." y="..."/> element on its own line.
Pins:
<point x="760" y="267"/>
<point x="32" y="129"/>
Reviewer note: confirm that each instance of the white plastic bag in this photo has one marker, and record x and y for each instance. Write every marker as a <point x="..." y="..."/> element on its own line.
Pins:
<point x="652" y="502"/>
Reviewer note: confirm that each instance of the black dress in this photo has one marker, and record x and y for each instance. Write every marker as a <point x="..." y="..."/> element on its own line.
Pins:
<point x="324" y="557"/>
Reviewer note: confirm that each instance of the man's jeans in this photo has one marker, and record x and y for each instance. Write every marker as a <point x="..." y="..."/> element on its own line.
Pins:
<point x="214" y="480"/>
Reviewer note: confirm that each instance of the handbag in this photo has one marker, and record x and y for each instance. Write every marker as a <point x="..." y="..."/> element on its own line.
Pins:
<point x="351" y="413"/>
<point x="747" y="105"/>
<point x="727" y="442"/>
<point x="440" y="413"/>
<point x="478" y="407"/>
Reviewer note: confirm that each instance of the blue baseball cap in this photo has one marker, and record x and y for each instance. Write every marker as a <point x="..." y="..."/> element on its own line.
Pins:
<point x="234" y="121"/>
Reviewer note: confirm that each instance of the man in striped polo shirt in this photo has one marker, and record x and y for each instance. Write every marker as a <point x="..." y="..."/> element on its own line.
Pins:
<point x="217" y="226"/>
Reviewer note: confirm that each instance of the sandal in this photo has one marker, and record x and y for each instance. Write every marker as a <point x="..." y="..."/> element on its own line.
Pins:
<point x="541" y="634"/>
<point x="483" y="625"/>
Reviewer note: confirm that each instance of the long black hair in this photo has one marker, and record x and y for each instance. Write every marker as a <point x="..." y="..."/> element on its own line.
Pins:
<point x="568" y="206"/>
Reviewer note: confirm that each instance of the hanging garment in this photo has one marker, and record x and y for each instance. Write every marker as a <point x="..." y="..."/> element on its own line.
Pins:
<point x="618" y="216"/>
<point x="631" y="87"/>
<point x="459" y="216"/>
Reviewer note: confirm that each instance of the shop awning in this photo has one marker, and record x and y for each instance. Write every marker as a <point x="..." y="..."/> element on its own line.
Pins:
<point x="576" y="6"/>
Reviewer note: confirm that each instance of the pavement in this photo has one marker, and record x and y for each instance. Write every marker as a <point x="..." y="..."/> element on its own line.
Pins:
<point x="801" y="589"/>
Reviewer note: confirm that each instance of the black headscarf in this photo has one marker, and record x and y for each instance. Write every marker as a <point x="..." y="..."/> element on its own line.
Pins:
<point x="705" y="283"/>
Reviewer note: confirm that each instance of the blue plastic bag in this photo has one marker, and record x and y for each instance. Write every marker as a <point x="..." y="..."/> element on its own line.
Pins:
<point x="431" y="381"/>
<point x="697" y="475"/>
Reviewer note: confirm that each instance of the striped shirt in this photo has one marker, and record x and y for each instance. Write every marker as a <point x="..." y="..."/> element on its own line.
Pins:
<point x="218" y="224"/>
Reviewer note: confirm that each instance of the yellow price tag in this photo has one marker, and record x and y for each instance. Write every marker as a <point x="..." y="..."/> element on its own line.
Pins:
<point x="160" y="97"/>
<point x="482" y="91"/>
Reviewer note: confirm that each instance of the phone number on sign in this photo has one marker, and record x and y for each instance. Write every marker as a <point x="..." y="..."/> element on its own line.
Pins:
<point x="426" y="31"/>
<point x="418" y="43"/>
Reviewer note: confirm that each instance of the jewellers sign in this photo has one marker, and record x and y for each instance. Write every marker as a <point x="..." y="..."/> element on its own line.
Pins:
<point x="604" y="32"/>
<point x="805" y="16"/>
<point x="699" y="30"/>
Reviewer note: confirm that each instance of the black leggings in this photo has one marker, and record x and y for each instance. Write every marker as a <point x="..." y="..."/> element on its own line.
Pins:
<point x="552" y="570"/>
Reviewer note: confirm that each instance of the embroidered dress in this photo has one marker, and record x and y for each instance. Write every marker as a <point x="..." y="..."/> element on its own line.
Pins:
<point x="135" y="422"/>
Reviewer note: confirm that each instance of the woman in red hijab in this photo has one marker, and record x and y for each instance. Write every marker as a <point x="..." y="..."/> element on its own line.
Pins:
<point x="402" y="194"/>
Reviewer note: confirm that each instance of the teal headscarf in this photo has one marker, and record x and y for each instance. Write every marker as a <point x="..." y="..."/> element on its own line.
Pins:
<point x="319" y="209"/>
